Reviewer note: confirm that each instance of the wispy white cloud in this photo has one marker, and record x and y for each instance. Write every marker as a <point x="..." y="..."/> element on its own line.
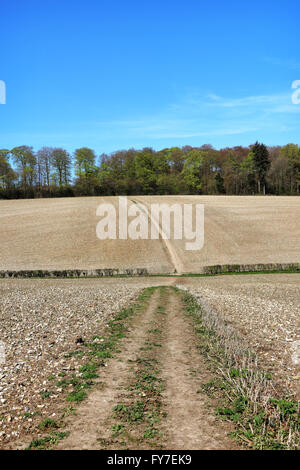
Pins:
<point x="208" y="116"/>
<point x="160" y="127"/>
<point x="247" y="100"/>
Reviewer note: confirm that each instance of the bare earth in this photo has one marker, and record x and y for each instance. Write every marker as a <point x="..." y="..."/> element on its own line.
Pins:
<point x="41" y="320"/>
<point x="189" y="423"/>
<point x="61" y="234"/>
<point x="265" y="312"/>
<point x="40" y="323"/>
<point x="240" y="230"/>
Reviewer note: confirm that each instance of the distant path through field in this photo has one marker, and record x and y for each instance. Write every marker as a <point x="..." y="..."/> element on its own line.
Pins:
<point x="169" y="248"/>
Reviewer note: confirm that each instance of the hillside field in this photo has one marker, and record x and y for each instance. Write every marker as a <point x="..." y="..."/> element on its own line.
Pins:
<point x="79" y="353"/>
<point x="61" y="234"/>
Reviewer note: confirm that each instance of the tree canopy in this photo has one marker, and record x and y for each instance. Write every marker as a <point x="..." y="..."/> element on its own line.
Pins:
<point x="54" y="172"/>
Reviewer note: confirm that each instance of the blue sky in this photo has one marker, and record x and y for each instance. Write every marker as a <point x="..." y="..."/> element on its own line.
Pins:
<point x="118" y="74"/>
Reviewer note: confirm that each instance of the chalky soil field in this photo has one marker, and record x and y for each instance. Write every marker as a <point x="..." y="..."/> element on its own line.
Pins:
<point x="168" y="362"/>
<point x="60" y="234"/>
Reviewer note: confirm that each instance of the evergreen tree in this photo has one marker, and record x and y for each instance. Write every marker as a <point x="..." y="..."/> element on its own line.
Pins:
<point x="261" y="162"/>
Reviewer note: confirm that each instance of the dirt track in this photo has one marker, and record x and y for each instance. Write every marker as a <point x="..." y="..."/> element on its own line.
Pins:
<point x="263" y="310"/>
<point x="185" y="417"/>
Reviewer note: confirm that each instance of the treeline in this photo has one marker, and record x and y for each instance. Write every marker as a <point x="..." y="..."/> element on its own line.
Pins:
<point x="53" y="172"/>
